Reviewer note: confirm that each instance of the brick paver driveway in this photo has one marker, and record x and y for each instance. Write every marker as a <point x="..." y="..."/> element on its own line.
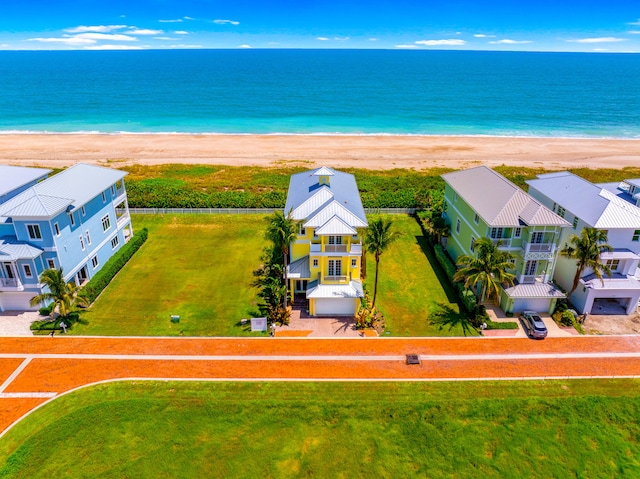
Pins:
<point x="34" y="370"/>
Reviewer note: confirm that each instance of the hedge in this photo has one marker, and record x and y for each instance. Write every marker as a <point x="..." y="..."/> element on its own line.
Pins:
<point x="103" y="277"/>
<point x="501" y="325"/>
<point x="466" y="296"/>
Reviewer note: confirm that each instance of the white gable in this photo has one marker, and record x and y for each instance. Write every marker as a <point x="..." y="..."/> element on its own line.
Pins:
<point x="312" y="204"/>
<point x="335" y="209"/>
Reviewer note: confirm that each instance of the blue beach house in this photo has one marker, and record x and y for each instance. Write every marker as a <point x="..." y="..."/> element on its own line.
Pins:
<point x="76" y="219"/>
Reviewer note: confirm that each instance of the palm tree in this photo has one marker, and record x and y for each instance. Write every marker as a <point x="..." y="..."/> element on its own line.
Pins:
<point x="586" y="250"/>
<point x="377" y="239"/>
<point x="282" y="231"/>
<point x="488" y="268"/>
<point x="65" y="296"/>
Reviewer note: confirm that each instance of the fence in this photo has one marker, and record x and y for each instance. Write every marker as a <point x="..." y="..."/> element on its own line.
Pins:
<point x="249" y="211"/>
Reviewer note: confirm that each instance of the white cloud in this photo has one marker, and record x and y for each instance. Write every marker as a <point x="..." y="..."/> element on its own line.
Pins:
<point x="373" y="39"/>
<point x="177" y="20"/>
<point x="244" y="46"/>
<point x="226" y="22"/>
<point x="341" y="39"/>
<point x="508" y="41"/>
<point x="600" y="49"/>
<point x="65" y="40"/>
<point x="181" y="32"/>
<point x="322" y="39"/>
<point x="482" y="35"/>
<point x="450" y="42"/>
<point x="95" y="28"/>
<point x="113" y="47"/>
<point x="164" y="38"/>
<point x="188" y="18"/>
<point x="597" y="40"/>
<point x="634" y="32"/>
<point x="144" y="31"/>
<point x="183" y="47"/>
<point x="115" y="37"/>
<point x="634" y="23"/>
<point x="406" y="46"/>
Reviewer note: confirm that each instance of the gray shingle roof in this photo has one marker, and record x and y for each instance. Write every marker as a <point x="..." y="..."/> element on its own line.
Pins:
<point x="13" y="177"/>
<point x="596" y="206"/>
<point x="72" y="188"/>
<point x="499" y="202"/>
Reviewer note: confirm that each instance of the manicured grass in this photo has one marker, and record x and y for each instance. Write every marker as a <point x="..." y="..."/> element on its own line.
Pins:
<point x="411" y="286"/>
<point x="537" y="429"/>
<point x="196" y="266"/>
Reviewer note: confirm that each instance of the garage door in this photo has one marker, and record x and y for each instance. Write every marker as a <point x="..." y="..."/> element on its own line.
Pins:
<point x="337" y="307"/>
<point x="16" y="302"/>
<point x="541" y="305"/>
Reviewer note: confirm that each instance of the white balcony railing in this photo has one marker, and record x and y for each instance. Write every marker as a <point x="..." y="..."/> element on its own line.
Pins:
<point x="531" y="279"/>
<point x="13" y="283"/>
<point x="354" y="248"/>
<point x="504" y="242"/>
<point x="335" y="248"/>
<point x="538" y="247"/>
<point x="335" y="279"/>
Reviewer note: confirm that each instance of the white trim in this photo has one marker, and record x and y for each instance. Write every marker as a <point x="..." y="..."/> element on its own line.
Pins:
<point x="27" y="274"/>
<point x="102" y="220"/>
<point x="95" y="262"/>
<point x="49" y="263"/>
<point x="82" y="245"/>
<point x="56" y="229"/>
<point x="84" y="212"/>
<point x="36" y="225"/>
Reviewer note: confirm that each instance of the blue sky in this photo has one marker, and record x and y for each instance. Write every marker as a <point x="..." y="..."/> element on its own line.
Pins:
<point x="545" y="25"/>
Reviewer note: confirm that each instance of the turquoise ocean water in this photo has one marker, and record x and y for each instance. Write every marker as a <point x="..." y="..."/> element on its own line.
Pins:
<point x="322" y="91"/>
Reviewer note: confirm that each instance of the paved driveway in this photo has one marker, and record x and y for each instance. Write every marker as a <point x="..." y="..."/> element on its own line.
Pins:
<point x="16" y="323"/>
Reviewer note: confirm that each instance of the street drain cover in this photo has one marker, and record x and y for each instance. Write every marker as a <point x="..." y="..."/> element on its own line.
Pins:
<point x="413" y="359"/>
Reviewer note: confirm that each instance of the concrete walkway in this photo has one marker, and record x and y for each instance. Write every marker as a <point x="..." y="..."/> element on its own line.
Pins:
<point x="497" y="315"/>
<point x="17" y="323"/>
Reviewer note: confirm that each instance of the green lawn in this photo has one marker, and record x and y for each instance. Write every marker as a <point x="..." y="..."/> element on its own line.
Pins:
<point x="537" y="429"/>
<point x="411" y="286"/>
<point x="196" y="266"/>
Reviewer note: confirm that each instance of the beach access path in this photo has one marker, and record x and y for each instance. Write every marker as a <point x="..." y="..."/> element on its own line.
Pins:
<point x="37" y="369"/>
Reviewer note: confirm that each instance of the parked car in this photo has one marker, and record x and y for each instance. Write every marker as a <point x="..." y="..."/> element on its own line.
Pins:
<point x="533" y="324"/>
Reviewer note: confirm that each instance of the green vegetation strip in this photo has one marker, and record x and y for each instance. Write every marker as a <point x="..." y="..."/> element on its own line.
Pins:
<point x="537" y="429"/>
<point x="209" y="186"/>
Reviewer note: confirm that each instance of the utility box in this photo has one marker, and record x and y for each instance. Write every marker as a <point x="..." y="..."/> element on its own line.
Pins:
<point x="175" y="318"/>
<point x="258" y="324"/>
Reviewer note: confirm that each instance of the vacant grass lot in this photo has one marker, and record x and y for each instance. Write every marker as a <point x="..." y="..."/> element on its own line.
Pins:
<point x="531" y="429"/>
<point x="196" y="266"/>
<point x="411" y="286"/>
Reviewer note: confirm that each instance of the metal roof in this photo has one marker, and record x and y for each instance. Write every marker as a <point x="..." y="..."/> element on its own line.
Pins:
<point x="335" y="291"/>
<point x="337" y="227"/>
<point x="596" y="206"/>
<point x="319" y="198"/>
<point x="299" y="268"/>
<point x="616" y="281"/>
<point x="11" y="249"/>
<point x="334" y="209"/>
<point x="619" y="253"/>
<point x="535" y="290"/>
<point x="342" y="186"/>
<point x="71" y="188"/>
<point x="499" y="202"/>
<point x="13" y="177"/>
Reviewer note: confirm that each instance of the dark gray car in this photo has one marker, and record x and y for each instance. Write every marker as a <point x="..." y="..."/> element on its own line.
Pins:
<point x="533" y="324"/>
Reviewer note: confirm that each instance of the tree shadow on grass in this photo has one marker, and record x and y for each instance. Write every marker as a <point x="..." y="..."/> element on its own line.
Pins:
<point x="443" y="315"/>
<point x="437" y="269"/>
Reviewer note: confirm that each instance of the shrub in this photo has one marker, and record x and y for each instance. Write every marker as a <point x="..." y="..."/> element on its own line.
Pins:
<point x="103" y="277"/>
<point x="501" y="325"/>
<point x="567" y="318"/>
<point x="445" y="262"/>
<point x="46" y="310"/>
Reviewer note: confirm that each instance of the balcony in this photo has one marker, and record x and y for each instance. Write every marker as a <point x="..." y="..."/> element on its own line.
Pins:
<point x="506" y="242"/>
<point x="353" y="249"/>
<point x="335" y="279"/>
<point x="542" y="251"/>
<point x="11" y="284"/>
<point x="531" y="279"/>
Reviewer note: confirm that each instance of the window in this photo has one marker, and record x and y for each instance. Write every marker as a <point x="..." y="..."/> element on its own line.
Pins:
<point x="530" y="268"/>
<point x="613" y="264"/>
<point x="86" y="235"/>
<point x="575" y="222"/>
<point x="315" y="262"/>
<point x="497" y="233"/>
<point x="458" y="226"/>
<point x="27" y="270"/>
<point x="476" y="218"/>
<point x="84" y="212"/>
<point x="472" y="246"/>
<point x="56" y="228"/>
<point x="106" y="223"/>
<point x="114" y="242"/>
<point x="335" y="239"/>
<point x="72" y="220"/>
<point x="335" y="267"/>
<point x="104" y="197"/>
<point x="513" y="262"/>
<point x="51" y="263"/>
<point x="455" y="196"/>
<point x="517" y="233"/>
<point x="113" y="190"/>
<point x="561" y="211"/>
<point x="354" y="262"/>
<point x="537" y="237"/>
<point x="81" y="242"/>
<point x="34" y="232"/>
<point x="636" y="236"/>
<point x="94" y="262"/>
<point x="303" y="230"/>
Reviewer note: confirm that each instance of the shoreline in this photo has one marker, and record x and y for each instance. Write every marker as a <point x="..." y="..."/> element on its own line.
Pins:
<point x="370" y="151"/>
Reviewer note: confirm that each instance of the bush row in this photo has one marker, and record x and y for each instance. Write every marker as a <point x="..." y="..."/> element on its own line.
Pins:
<point x="466" y="296"/>
<point x="102" y="278"/>
<point x="501" y="325"/>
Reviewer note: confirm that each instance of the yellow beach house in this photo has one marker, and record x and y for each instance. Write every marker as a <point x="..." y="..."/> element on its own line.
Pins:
<point x="326" y="256"/>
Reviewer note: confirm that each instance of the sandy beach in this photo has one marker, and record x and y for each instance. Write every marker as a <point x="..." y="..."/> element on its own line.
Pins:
<point x="372" y="152"/>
